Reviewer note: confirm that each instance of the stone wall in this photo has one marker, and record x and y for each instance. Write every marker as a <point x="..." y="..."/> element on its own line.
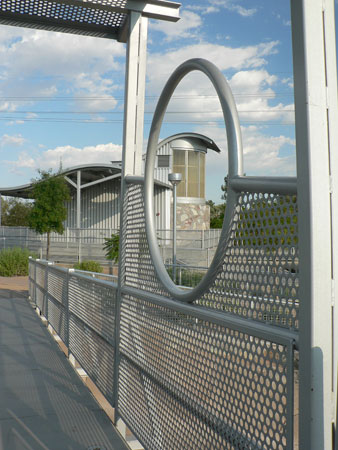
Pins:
<point x="193" y="217"/>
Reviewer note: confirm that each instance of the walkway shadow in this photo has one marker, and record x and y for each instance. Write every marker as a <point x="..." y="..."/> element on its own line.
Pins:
<point x="44" y="404"/>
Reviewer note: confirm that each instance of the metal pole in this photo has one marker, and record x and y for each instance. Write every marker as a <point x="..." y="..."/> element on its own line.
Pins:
<point x="175" y="179"/>
<point x="78" y="212"/>
<point x="174" y="231"/>
<point x="132" y="149"/>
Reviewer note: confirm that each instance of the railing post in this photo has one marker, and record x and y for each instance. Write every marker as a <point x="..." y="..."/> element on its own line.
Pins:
<point x="67" y="308"/>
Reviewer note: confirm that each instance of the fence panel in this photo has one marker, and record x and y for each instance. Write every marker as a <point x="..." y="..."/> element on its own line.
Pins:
<point x="58" y="301"/>
<point x="92" y="306"/>
<point x="190" y="383"/>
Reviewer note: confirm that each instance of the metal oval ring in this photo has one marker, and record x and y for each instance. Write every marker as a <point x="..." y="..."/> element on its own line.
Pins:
<point x="235" y="168"/>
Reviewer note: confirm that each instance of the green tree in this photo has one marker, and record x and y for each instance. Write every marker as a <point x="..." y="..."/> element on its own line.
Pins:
<point x="216" y="214"/>
<point x="15" y="212"/>
<point x="111" y="247"/>
<point x="50" y="192"/>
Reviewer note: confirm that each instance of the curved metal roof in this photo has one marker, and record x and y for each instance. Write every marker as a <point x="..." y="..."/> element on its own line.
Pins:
<point x="207" y="142"/>
<point x="89" y="173"/>
<point x="99" y="171"/>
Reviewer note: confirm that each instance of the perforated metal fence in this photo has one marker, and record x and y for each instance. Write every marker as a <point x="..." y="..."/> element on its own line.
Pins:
<point x="218" y="372"/>
<point x="81" y="309"/>
<point x="183" y="368"/>
<point x="212" y="367"/>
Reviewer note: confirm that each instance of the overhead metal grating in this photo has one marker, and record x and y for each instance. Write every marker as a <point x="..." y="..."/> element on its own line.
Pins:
<point x="99" y="18"/>
<point x="96" y="18"/>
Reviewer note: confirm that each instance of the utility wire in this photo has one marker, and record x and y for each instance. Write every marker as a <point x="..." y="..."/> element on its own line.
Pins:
<point x="91" y="121"/>
<point x="149" y="112"/>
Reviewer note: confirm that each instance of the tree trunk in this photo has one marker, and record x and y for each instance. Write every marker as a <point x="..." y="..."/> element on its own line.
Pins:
<point x="48" y="244"/>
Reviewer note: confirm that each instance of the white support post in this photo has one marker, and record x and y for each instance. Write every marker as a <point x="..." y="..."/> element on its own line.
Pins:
<point x="78" y="199"/>
<point x="134" y="95"/>
<point x="315" y="78"/>
<point x="132" y="141"/>
<point x="78" y="212"/>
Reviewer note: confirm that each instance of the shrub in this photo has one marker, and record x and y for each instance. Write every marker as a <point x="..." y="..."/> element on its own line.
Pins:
<point x="14" y="261"/>
<point x="188" y="278"/>
<point x="111" y="247"/>
<point x="89" y="266"/>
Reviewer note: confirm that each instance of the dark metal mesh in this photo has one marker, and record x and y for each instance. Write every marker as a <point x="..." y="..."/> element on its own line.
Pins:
<point x="41" y="276"/>
<point x="94" y="303"/>
<point x="31" y="285"/>
<point x="94" y="354"/>
<point x="138" y="267"/>
<point x="41" y="300"/>
<point x="58" y="302"/>
<point x="259" y="278"/>
<point x="91" y="329"/>
<point x="55" y="13"/>
<point x="187" y="383"/>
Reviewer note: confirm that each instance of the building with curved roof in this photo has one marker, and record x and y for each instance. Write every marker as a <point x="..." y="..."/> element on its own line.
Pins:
<point x="96" y="188"/>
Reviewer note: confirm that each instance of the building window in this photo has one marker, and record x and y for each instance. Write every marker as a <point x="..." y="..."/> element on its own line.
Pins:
<point x="191" y="164"/>
<point x="163" y="161"/>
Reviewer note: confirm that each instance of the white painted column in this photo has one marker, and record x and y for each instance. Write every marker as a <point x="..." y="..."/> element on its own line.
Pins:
<point x="134" y="95"/>
<point x="78" y="213"/>
<point x="315" y="79"/>
<point x="78" y="199"/>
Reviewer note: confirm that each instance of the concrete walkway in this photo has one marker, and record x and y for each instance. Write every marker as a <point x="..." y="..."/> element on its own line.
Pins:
<point x="43" y="402"/>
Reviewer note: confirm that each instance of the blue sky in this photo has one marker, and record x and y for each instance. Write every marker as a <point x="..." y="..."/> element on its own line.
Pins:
<point x="61" y="96"/>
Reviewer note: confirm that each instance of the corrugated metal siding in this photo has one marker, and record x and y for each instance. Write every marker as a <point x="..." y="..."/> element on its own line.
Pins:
<point x="162" y="208"/>
<point x="161" y="173"/>
<point x="100" y="206"/>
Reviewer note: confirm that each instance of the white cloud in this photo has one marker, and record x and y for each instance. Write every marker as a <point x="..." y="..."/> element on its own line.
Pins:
<point x="69" y="156"/>
<point x="39" y="63"/>
<point x="261" y="152"/>
<point x="214" y="6"/>
<point x="7" y="140"/>
<point x="161" y="66"/>
<point x="24" y="161"/>
<point x="182" y="29"/>
<point x="232" y="5"/>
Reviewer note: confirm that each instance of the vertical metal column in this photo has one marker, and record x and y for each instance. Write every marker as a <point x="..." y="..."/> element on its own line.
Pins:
<point x="134" y="95"/>
<point x="315" y="79"/>
<point x="78" y="212"/>
<point x="132" y="144"/>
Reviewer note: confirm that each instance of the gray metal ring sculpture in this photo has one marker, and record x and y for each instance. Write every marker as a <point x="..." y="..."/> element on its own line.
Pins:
<point x="235" y="169"/>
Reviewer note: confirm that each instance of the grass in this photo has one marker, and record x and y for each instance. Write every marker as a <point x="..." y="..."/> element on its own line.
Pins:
<point x="14" y="262"/>
<point x="89" y="266"/>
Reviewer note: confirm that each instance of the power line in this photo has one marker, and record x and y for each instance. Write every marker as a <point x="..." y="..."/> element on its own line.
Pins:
<point x="149" y="112"/>
<point x="91" y="121"/>
<point x="105" y="98"/>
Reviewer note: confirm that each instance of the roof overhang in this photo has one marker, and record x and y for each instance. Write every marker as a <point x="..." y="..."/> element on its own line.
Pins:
<point x="99" y="18"/>
<point x="206" y="141"/>
<point x="91" y="174"/>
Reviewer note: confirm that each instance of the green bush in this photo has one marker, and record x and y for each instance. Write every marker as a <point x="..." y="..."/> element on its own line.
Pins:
<point x="14" y="262"/>
<point x="89" y="266"/>
<point x="188" y="278"/>
<point x="111" y="247"/>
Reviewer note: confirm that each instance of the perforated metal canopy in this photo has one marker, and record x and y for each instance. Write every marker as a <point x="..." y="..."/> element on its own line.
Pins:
<point x="100" y="18"/>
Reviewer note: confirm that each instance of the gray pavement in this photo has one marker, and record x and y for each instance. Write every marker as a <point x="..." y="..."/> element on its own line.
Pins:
<point x="43" y="402"/>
